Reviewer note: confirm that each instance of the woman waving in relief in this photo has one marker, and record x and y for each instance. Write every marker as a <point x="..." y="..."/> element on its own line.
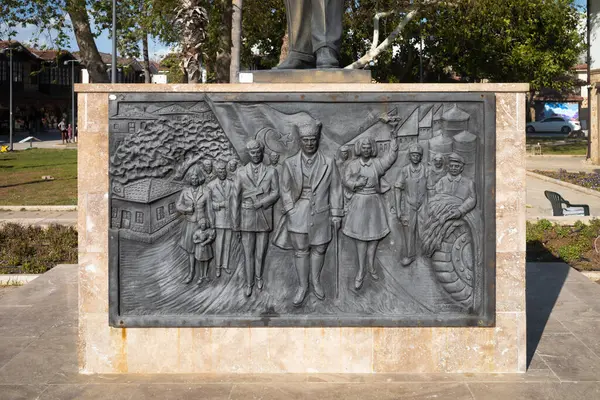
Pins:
<point x="366" y="219"/>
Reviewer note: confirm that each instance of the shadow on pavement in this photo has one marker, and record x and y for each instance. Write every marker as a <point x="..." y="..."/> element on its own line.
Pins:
<point x="543" y="286"/>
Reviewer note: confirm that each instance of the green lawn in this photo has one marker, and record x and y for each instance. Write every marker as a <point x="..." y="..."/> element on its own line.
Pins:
<point x="573" y="147"/>
<point x="21" y="180"/>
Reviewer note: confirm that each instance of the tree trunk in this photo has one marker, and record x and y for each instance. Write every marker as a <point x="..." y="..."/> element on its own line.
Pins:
<point x="285" y="46"/>
<point x="531" y="106"/>
<point x="90" y="57"/>
<point x="223" y="60"/>
<point x="236" y="41"/>
<point x="146" y="56"/>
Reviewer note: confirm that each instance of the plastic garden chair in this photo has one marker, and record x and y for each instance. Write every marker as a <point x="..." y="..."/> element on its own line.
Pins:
<point x="558" y="210"/>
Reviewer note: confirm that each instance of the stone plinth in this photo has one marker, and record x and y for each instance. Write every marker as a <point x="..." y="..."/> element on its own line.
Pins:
<point x="306" y="76"/>
<point x="103" y="349"/>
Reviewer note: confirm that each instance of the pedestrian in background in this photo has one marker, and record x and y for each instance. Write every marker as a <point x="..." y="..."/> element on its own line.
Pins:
<point x="62" y="127"/>
<point x="70" y="134"/>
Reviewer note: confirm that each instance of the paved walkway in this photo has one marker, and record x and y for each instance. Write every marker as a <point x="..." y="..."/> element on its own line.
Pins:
<point x="39" y="218"/>
<point x="539" y="206"/>
<point x="38" y="355"/>
<point x="554" y="163"/>
<point x="49" y="140"/>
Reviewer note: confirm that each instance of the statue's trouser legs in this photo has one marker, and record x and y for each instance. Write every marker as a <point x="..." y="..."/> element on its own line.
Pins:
<point x="300" y="244"/>
<point x="262" y="244"/>
<point x="222" y="247"/>
<point x="219" y="250"/>
<point x="327" y="24"/>
<point x="411" y="234"/>
<point x="317" y="258"/>
<point x="226" y="248"/>
<point x="249" y="244"/>
<point x="299" y="29"/>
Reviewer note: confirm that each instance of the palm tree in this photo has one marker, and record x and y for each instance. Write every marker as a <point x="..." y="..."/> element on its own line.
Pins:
<point x="192" y="22"/>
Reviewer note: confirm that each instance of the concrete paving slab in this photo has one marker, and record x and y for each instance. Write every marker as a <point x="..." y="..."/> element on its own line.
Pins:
<point x="21" y="392"/>
<point x="39" y="218"/>
<point x="536" y="391"/>
<point x="10" y="346"/>
<point x="539" y="206"/>
<point x="569" y="358"/>
<point x="563" y="308"/>
<point x="554" y="163"/>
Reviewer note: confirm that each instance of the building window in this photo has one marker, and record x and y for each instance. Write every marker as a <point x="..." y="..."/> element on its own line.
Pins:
<point x="116" y="127"/>
<point x="132" y="127"/>
<point x="115" y="212"/>
<point x="160" y="213"/>
<point x="18" y="71"/>
<point x="171" y="208"/>
<point x="4" y="70"/>
<point x="139" y="217"/>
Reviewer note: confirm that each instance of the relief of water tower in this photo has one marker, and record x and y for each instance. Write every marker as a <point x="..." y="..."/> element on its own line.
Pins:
<point x="451" y="135"/>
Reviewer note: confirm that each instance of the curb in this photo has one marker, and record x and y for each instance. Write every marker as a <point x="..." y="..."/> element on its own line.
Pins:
<point x="559" y="155"/>
<point x="38" y="208"/>
<point x="11" y="279"/>
<point x="41" y="222"/>
<point x="565" y="184"/>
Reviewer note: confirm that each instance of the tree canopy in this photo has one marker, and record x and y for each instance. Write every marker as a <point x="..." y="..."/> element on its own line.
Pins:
<point x="534" y="41"/>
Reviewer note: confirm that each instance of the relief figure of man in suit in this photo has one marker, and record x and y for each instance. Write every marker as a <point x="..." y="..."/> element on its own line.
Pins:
<point x="220" y="192"/>
<point x="255" y="190"/>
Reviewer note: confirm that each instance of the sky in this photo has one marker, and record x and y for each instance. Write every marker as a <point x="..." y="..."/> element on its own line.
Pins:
<point x="156" y="50"/>
<point x="103" y="42"/>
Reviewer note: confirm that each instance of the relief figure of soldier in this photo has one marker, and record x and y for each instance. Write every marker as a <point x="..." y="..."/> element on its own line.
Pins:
<point x="255" y="190"/>
<point x="452" y="230"/>
<point x="312" y="203"/>
<point x="221" y="190"/>
<point x="411" y="196"/>
<point x="366" y="219"/>
<point x="194" y="204"/>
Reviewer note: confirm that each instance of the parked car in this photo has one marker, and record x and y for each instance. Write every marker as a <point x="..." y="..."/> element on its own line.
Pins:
<point x="554" y="124"/>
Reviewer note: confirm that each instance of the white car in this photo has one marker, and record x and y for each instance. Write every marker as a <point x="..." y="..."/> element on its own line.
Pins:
<point x="554" y="124"/>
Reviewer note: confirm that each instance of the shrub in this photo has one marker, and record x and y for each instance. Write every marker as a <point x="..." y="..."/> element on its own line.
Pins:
<point x="34" y="249"/>
<point x="571" y="252"/>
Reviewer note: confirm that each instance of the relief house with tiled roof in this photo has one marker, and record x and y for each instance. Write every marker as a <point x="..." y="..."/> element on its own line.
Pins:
<point x="145" y="210"/>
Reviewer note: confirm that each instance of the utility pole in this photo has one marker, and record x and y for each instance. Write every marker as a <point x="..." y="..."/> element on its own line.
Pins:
<point x="10" y="50"/>
<point x="113" y="68"/>
<point x="73" y="120"/>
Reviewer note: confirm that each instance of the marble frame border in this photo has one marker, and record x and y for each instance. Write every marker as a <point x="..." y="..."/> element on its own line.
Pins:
<point x="487" y="318"/>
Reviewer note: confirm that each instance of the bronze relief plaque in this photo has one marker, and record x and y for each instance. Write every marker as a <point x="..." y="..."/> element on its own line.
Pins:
<point x="290" y="209"/>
